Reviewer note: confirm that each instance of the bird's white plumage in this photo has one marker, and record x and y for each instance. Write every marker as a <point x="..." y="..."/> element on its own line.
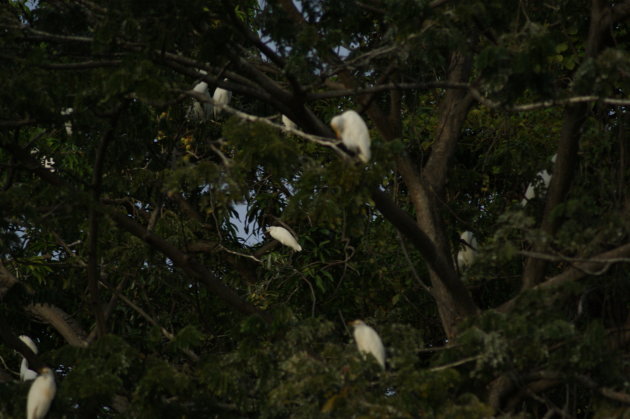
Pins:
<point x="530" y="193"/>
<point x="41" y="395"/>
<point x="288" y="123"/>
<point x="221" y="97"/>
<point x="468" y="251"/>
<point x="546" y="177"/>
<point x="368" y="341"/>
<point x="29" y="342"/>
<point x="27" y="374"/>
<point x="67" y="124"/>
<point x="45" y="161"/>
<point x="200" y="111"/>
<point x="285" y="237"/>
<point x="354" y="134"/>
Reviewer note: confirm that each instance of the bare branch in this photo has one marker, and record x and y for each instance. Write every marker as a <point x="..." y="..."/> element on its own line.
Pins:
<point x="603" y="264"/>
<point x="60" y="321"/>
<point x="168" y="335"/>
<point x="93" y="268"/>
<point x="433" y="258"/>
<point x="456" y="363"/>
<point x="327" y="142"/>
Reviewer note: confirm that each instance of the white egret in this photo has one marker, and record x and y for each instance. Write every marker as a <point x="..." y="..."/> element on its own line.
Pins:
<point x="221" y="97"/>
<point x="467" y="254"/>
<point x="530" y="193"/>
<point x="200" y="111"/>
<point x="68" y="124"/>
<point x="41" y="394"/>
<point x="285" y="237"/>
<point x="545" y="176"/>
<point x="368" y="341"/>
<point x="288" y="123"/>
<point x="27" y="374"/>
<point x="350" y="127"/>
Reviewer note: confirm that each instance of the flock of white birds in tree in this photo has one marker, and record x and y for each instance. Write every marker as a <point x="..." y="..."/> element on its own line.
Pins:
<point x="354" y="134"/>
<point x="202" y="112"/>
<point x="468" y="251"/>
<point x="43" y="388"/>
<point x="368" y="341"/>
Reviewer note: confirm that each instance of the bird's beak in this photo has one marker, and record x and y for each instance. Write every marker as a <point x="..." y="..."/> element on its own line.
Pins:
<point x="334" y="127"/>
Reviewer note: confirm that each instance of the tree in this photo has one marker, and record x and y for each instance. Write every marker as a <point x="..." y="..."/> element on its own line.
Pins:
<point x="123" y="252"/>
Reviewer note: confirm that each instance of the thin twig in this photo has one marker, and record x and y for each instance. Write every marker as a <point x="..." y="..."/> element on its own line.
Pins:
<point x="168" y="335"/>
<point x="456" y="363"/>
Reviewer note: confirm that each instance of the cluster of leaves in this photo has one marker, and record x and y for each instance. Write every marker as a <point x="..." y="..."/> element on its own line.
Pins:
<point x="174" y="347"/>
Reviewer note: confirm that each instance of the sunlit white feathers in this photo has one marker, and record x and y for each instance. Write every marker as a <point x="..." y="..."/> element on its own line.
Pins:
<point x="27" y="374"/>
<point x="200" y="111"/>
<point x="368" y="341"/>
<point x="530" y="193"/>
<point x="350" y="127"/>
<point x="68" y="124"/>
<point x="45" y="161"/>
<point x="221" y="97"/>
<point x="285" y="237"/>
<point x="468" y="251"/>
<point x="41" y="395"/>
<point x="545" y="177"/>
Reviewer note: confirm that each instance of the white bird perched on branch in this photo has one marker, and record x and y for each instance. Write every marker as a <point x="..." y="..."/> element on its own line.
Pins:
<point x="200" y="111"/>
<point x="467" y="254"/>
<point x="368" y="341"/>
<point x="285" y="237"/>
<point x="27" y="374"/>
<point x="544" y="175"/>
<point x="351" y="129"/>
<point x="41" y="394"/>
<point x="68" y="124"/>
<point x="221" y="97"/>
<point x="288" y="123"/>
<point x="530" y="193"/>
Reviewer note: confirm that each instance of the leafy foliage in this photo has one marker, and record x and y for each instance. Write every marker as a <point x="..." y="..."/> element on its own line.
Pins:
<point x="155" y="222"/>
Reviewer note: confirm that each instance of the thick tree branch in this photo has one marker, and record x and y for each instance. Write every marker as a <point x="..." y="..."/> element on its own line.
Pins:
<point x="188" y="265"/>
<point x="434" y="259"/>
<point x="93" y="269"/>
<point x="567" y="156"/>
<point x="599" y="262"/>
<point x="61" y="322"/>
<point x="453" y="112"/>
<point x="579" y="270"/>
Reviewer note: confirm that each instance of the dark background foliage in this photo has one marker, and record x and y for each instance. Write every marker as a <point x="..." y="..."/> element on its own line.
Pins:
<point x="140" y="266"/>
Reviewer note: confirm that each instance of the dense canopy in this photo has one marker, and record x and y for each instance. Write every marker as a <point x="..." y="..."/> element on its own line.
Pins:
<point x="132" y="218"/>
